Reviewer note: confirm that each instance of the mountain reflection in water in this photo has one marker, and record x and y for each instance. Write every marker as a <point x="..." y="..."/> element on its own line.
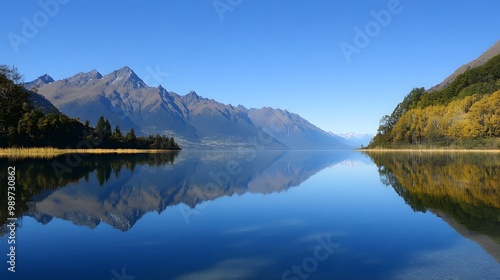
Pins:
<point x="119" y="189"/>
<point x="259" y="224"/>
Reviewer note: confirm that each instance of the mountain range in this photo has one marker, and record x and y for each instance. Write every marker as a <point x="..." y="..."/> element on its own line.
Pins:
<point x="355" y="139"/>
<point x="196" y="122"/>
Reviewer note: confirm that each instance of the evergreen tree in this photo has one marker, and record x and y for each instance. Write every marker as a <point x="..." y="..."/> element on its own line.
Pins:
<point x="171" y="142"/>
<point x="101" y="125"/>
<point x="107" y="129"/>
<point x="14" y="103"/>
<point x="130" y="137"/>
<point x="21" y="124"/>
<point x="87" y="125"/>
<point x="117" y="134"/>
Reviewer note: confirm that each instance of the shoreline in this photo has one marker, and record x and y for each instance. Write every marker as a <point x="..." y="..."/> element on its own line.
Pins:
<point x="53" y="152"/>
<point x="432" y="150"/>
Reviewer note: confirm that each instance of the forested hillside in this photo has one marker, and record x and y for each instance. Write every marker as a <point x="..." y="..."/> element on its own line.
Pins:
<point x="24" y="124"/>
<point x="464" y="114"/>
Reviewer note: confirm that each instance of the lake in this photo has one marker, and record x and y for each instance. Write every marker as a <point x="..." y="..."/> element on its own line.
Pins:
<point x="254" y="215"/>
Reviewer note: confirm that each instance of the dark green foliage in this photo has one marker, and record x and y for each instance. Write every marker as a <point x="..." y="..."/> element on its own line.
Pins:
<point x="130" y="137"/>
<point x="103" y="129"/>
<point x="87" y="125"/>
<point x="38" y="176"/>
<point x="478" y="88"/>
<point x="117" y="134"/>
<point x="107" y="129"/>
<point x="100" y="127"/>
<point x="22" y="125"/>
<point x="400" y="129"/>
<point x="52" y="130"/>
<point x="14" y="100"/>
<point x="479" y="80"/>
<point x="114" y="139"/>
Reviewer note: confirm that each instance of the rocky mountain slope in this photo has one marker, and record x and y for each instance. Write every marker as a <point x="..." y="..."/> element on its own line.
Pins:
<point x="195" y="121"/>
<point x="482" y="59"/>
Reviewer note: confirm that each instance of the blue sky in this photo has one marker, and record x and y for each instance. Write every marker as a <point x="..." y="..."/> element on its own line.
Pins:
<point x="279" y="53"/>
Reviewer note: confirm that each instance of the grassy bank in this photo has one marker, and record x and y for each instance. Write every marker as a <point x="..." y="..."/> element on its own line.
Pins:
<point x="53" y="152"/>
<point x="431" y="150"/>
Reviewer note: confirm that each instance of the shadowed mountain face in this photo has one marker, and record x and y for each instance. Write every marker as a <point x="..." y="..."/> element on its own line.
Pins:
<point x="462" y="189"/>
<point x="119" y="190"/>
<point x="40" y="102"/>
<point x="126" y="100"/>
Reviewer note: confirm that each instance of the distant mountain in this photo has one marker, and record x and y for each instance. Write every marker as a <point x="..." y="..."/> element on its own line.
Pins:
<point x="197" y="122"/>
<point x="38" y="82"/>
<point x="355" y="139"/>
<point x="220" y="125"/>
<point x="482" y="59"/>
<point x="293" y="130"/>
<point x="40" y="102"/>
<point x="37" y="100"/>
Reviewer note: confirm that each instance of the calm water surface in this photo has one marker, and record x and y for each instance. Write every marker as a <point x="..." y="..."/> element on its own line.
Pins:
<point x="256" y="215"/>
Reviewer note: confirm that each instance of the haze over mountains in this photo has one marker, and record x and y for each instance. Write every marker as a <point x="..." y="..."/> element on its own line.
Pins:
<point x="355" y="139"/>
<point x="195" y="121"/>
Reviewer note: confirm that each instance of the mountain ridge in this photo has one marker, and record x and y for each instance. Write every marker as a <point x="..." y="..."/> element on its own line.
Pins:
<point x="196" y="121"/>
<point x="482" y="59"/>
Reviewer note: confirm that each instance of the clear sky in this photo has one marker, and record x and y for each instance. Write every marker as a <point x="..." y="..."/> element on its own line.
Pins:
<point x="301" y="55"/>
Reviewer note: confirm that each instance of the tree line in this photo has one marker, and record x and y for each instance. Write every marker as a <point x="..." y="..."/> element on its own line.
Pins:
<point x="39" y="175"/>
<point x="466" y="113"/>
<point x="471" y="122"/>
<point x="116" y="139"/>
<point x="24" y="125"/>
